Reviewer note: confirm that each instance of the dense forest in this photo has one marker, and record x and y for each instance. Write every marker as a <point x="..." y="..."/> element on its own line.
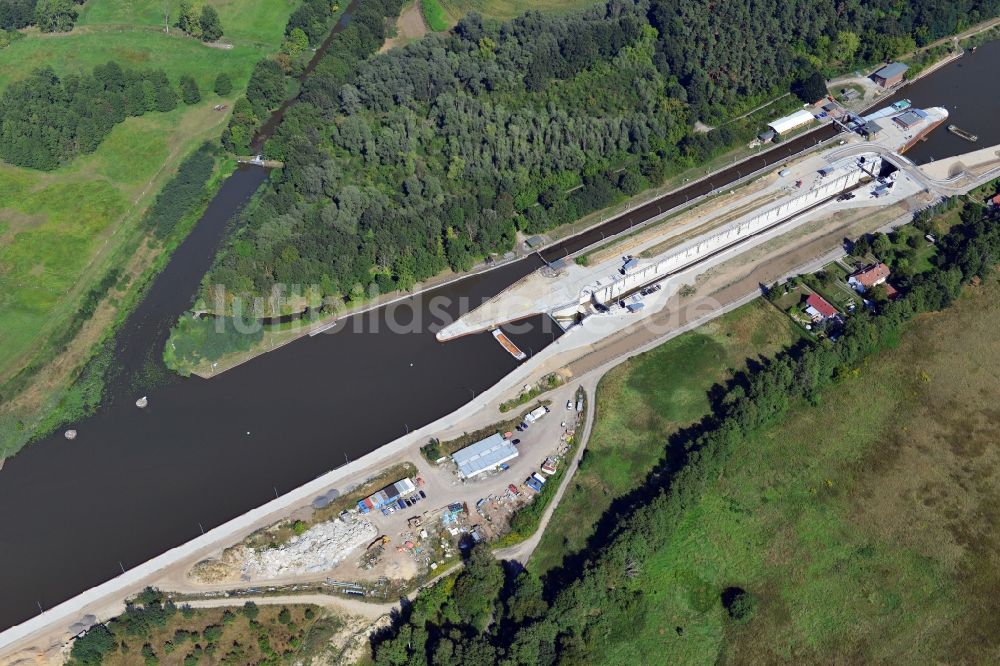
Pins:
<point x="267" y="88"/>
<point x="486" y="615"/>
<point x="46" y="121"/>
<point x="48" y="15"/>
<point x="434" y="155"/>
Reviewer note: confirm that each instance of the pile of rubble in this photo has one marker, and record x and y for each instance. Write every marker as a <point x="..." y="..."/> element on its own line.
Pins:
<point x="318" y="549"/>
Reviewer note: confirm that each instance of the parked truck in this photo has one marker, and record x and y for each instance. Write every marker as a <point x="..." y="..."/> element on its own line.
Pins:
<point x="536" y="414"/>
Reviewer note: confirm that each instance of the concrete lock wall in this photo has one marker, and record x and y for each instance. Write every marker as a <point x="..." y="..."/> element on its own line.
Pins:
<point x="686" y="256"/>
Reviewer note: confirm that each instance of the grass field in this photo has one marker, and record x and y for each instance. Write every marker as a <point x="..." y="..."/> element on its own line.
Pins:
<point x="641" y="402"/>
<point x="62" y="231"/>
<point x="435" y="16"/>
<point x="56" y="224"/>
<point x="245" y="21"/>
<point x="865" y="526"/>
<point x="139" y="49"/>
<point x="505" y="9"/>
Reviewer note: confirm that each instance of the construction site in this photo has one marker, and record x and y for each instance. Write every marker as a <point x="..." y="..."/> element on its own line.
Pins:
<point x="406" y="532"/>
<point x="611" y="286"/>
<point x="612" y="298"/>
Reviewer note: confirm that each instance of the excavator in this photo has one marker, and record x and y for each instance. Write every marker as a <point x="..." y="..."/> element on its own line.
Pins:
<point x="381" y="541"/>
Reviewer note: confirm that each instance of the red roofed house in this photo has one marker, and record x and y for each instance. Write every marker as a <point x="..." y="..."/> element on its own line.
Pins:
<point x="818" y="308"/>
<point x="868" y="277"/>
<point x="995" y="200"/>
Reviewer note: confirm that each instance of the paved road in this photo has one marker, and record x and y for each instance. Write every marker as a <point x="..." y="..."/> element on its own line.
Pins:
<point x="956" y="185"/>
<point x="522" y="551"/>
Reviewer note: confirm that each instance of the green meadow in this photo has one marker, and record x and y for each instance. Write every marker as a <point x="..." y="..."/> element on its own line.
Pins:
<point x="62" y="232"/>
<point x="175" y="54"/>
<point x="244" y="21"/>
<point x="58" y="227"/>
<point x="864" y="525"/>
<point x="506" y="9"/>
<point x="641" y="402"/>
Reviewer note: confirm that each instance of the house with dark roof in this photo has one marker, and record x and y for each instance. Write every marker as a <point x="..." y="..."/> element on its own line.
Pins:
<point x="890" y="75"/>
<point x="871" y="130"/>
<point x="868" y="277"/>
<point x="818" y="308"/>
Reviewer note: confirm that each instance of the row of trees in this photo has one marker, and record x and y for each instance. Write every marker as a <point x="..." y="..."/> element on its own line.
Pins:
<point x="203" y="24"/>
<point x="484" y="617"/>
<point x="437" y="154"/>
<point x="48" y="15"/>
<point x="312" y="18"/>
<point x="268" y="84"/>
<point x="45" y="121"/>
<point x="184" y="191"/>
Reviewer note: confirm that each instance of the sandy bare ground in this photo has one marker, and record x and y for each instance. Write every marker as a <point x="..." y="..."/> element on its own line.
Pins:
<point x="409" y="27"/>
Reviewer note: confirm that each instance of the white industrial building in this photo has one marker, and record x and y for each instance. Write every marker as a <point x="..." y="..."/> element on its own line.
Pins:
<point x="484" y="455"/>
<point x="796" y="120"/>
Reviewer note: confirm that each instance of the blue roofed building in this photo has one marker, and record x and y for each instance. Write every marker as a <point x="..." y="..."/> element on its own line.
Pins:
<point x="484" y="455"/>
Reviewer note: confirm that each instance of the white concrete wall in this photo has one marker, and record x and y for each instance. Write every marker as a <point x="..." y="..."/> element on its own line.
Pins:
<point x="700" y="248"/>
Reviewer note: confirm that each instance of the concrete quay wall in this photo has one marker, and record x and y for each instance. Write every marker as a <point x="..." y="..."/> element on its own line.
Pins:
<point x="705" y="246"/>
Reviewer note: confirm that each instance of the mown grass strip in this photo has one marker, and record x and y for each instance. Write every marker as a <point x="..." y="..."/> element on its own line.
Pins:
<point x="434" y="15"/>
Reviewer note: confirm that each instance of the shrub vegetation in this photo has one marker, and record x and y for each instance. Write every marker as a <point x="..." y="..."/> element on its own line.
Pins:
<point x="184" y="192"/>
<point x="599" y="593"/>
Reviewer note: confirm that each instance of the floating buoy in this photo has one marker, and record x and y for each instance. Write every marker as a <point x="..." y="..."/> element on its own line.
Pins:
<point x="70" y="434"/>
<point x="141" y="402"/>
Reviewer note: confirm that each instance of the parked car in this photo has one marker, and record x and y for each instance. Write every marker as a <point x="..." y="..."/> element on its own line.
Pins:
<point x="423" y="495"/>
<point x="512" y="488"/>
<point x="569" y="404"/>
<point x="515" y="442"/>
<point x="504" y="467"/>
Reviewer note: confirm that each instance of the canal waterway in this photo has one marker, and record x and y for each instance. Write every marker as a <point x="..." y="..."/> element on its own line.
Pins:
<point x="138" y="482"/>
<point x="967" y="88"/>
